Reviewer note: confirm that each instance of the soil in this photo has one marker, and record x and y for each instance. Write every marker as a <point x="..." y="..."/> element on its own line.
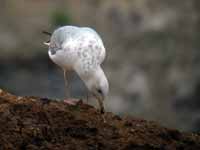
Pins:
<point x="32" y="123"/>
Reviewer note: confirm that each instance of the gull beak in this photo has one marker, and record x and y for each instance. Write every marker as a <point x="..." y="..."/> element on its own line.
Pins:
<point x="100" y="101"/>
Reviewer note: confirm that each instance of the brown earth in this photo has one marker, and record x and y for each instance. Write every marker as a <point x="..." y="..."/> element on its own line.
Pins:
<point x="31" y="123"/>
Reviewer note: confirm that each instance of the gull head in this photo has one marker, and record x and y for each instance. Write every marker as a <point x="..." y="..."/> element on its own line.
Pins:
<point x="98" y="85"/>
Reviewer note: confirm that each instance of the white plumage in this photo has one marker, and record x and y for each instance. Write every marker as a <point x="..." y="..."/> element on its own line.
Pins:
<point x="81" y="49"/>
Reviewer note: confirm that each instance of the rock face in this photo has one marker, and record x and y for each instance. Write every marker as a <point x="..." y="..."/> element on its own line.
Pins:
<point x="39" y="123"/>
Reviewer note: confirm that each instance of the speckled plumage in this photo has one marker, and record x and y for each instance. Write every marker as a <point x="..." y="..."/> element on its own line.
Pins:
<point x="70" y="46"/>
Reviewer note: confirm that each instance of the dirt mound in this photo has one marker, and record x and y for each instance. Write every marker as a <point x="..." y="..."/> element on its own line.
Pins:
<point x="31" y="123"/>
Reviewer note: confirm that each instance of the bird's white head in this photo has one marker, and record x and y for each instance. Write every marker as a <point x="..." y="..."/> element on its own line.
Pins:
<point x="98" y="85"/>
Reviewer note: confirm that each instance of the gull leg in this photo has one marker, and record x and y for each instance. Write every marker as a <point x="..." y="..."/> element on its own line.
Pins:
<point x="67" y="89"/>
<point x="87" y="98"/>
<point x="66" y="78"/>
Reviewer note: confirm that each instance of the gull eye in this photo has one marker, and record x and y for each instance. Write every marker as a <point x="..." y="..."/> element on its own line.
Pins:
<point x="99" y="91"/>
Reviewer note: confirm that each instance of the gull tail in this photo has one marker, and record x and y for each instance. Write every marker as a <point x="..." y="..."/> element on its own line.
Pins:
<point x="49" y="34"/>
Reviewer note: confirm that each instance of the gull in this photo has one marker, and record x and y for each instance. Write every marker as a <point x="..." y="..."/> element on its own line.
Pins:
<point x="80" y="49"/>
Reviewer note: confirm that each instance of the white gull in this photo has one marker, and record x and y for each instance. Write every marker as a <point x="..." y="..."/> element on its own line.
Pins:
<point x="81" y="49"/>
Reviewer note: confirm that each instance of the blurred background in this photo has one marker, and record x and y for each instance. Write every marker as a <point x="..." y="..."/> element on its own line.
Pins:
<point x="153" y="54"/>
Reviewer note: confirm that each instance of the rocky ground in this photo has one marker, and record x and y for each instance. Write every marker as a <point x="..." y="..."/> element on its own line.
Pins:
<point x="32" y="123"/>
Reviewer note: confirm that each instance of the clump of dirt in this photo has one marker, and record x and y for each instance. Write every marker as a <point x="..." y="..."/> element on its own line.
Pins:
<point x="31" y="123"/>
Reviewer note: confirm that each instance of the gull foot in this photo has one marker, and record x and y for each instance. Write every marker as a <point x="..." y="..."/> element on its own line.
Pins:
<point x="70" y="102"/>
